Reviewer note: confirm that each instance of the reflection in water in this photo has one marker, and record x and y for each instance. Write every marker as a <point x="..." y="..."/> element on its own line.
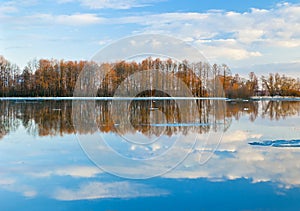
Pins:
<point x="273" y="110"/>
<point x="43" y="118"/>
<point x="238" y="109"/>
<point x="278" y="143"/>
<point x="59" y="171"/>
<point x="50" y="118"/>
<point x="152" y="135"/>
<point x="151" y="117"/>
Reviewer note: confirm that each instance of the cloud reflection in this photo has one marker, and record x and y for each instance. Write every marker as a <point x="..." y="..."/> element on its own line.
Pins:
<point x="46" y="170"/>
<point x="100" y="190"/>
<point x="241" y="160"/>
<point x="73" y="171"/>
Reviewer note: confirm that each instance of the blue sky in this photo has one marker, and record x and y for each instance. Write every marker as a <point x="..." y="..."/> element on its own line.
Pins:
<point x="246" y="35"/>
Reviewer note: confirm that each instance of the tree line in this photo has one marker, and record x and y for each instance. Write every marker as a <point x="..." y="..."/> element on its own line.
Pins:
<point x="54" y="78"/>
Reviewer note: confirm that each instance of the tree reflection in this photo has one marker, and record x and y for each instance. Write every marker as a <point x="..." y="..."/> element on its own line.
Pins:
<point x="42" y="118"/>
<point x="276" y="110"/>
<point x="7" y="119"/>
<point x="237" y="109"/>
<point x="149" y="117"/>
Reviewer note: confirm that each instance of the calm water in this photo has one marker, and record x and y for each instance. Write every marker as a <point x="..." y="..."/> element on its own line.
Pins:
<point x="44" y="163"/>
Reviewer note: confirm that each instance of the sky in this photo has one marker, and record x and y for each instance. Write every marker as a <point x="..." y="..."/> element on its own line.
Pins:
<point x="249" y="35"/>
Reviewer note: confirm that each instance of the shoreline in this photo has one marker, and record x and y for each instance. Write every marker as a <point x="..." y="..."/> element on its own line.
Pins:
<point x="108" y="98"/>
<point x="254" y="98"/>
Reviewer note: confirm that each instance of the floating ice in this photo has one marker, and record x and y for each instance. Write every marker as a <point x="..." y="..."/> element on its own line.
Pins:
<point x="277" y="143"/>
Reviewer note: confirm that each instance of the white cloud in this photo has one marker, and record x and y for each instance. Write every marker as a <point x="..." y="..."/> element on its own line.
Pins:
<point x="111" y="4"/>
<point x="236" y="38"/>
<point x="78" y="19"/>
<point x="8" y="181"/>
<point x="14" y="186"/>
<point x="291" y="43"/>
<point x="235" y="53"/>
<point x="73" y="171"/>
<point x="74" y="19"/>
<point x="238" y="135"/>
<point x="279" y="26"/>
<point x="243" y="35"/>
<point x="290" y="69"/>
<point x="64" y="1"/>
<point x="14" y="5"/>
<point x="29" y="193"/>
<point x="7" y="9"/>
<point x="104" y="42"/>
<point x="99" y="190"/>
<point x="114" y="4"/>
<point x="249" y="35"/>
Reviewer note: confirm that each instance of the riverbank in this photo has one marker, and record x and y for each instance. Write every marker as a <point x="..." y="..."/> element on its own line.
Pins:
<point x="275" y="98"/>
<point x="254" y="98"/>
<point x="108" y="98"/>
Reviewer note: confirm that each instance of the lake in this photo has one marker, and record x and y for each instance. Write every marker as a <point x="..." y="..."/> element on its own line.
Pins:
<point x="149" y="154"/>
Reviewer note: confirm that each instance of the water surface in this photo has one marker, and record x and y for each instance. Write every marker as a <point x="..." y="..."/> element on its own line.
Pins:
<point x="254" y="167"/>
